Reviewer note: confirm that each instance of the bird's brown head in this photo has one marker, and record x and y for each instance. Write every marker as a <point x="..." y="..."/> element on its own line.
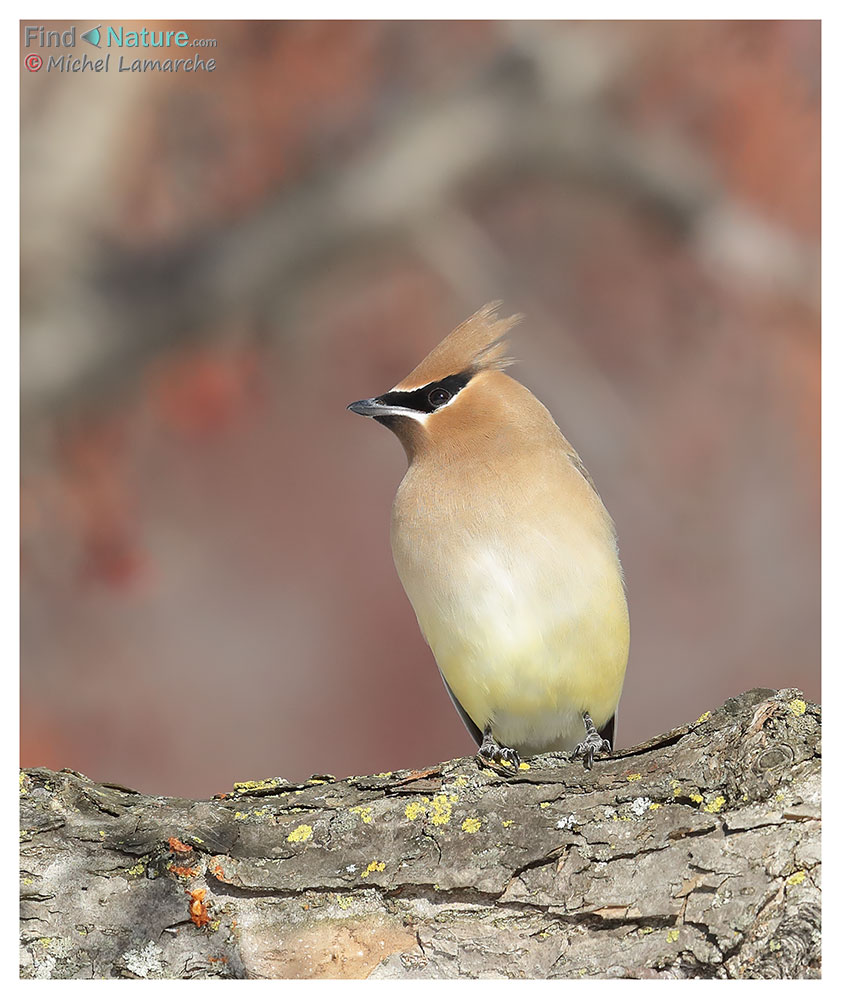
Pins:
<point x="434" y="401"/>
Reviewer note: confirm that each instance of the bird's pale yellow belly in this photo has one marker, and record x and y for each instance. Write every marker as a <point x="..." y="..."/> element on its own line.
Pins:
<point x="527" y="636"/>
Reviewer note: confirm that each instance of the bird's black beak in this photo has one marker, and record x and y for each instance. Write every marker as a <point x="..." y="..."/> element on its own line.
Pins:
<point x="367" y="407"/>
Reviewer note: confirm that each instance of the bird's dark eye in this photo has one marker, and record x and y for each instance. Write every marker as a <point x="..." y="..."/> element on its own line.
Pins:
<point x="438" y="396"/>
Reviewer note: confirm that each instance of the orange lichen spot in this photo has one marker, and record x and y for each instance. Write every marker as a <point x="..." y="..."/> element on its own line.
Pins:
<point x="220" y="960"/>
<point x="197" y="907"/>
<point x="176" y="846"/>
<point x="216" y="870"/>
<point x="183" y="872"/>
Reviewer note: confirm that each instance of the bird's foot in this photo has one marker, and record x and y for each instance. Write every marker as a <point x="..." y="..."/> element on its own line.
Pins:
<point x="491" y="751"/>
<point x="593" y="743"/>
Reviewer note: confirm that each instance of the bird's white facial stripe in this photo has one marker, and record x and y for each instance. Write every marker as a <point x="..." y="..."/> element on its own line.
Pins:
<point x="413" y="414"/>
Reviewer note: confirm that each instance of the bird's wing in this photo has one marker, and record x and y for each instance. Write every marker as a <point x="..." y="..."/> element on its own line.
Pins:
<point x="608" y="731"/>
<point x="472" y="728"/>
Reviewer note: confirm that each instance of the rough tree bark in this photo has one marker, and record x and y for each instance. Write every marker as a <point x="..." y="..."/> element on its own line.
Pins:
<point x="696" y="854"/>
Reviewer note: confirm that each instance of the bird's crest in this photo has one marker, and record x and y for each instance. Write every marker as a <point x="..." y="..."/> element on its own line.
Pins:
<point x="476" y="345"/>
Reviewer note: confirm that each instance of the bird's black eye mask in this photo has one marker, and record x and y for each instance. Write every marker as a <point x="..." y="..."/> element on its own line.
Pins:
<point x="430" y="397"/>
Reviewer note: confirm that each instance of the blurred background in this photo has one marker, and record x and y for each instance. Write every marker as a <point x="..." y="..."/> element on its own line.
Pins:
<point x="214" y="264"/>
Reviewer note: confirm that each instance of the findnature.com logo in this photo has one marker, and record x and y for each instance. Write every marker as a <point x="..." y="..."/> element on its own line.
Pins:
<point x="116" y="37"/>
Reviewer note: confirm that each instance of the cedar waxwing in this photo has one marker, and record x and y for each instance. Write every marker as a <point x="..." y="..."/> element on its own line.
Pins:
<point x="506" y="552"/>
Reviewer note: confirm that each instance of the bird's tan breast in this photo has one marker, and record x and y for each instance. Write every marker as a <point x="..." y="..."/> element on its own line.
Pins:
<point x="511" y="567"/>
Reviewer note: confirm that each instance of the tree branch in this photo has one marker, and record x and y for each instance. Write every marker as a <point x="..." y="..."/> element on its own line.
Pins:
<point x="696" y="854"/>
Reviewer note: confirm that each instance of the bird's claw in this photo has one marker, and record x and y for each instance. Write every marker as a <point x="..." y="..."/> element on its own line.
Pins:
<point x="593" y="743"/>
<point x="493" y="752"/>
